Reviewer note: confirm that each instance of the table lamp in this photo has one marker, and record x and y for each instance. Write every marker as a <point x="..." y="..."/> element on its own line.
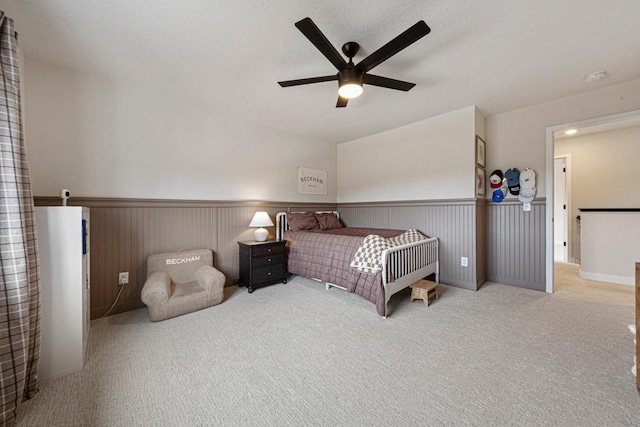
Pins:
<point x="260" y="220"/>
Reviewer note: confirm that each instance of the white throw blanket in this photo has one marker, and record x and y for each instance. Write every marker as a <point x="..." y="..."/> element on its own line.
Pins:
<point x="368" y="256"/>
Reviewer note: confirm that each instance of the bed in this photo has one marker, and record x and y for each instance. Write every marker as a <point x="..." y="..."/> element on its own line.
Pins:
<point x="326" y="253"/>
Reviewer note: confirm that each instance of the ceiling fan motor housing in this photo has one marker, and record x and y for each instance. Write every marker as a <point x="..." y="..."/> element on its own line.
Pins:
<point x="350" y="49"/>
<point x="350" y="75"/>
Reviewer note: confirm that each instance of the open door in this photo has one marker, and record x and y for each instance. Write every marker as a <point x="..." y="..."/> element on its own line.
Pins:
<point x="560" y="216"/>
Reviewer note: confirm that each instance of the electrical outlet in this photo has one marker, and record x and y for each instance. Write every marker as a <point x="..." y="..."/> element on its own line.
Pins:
<point x="464" y="261"/>
<point x="123" y="278"/>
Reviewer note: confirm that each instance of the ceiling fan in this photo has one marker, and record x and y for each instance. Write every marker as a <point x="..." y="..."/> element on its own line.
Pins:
<point x="351" y="77"/>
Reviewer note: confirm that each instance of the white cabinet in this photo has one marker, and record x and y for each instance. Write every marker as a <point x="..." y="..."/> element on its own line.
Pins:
<point x="63" y="247"/>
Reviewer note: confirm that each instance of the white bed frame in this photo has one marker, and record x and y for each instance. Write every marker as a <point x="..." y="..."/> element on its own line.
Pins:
<point x="401" y="265"/>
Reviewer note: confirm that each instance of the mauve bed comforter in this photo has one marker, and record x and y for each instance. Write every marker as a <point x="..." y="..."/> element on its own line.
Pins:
<point x="326" y="255"/>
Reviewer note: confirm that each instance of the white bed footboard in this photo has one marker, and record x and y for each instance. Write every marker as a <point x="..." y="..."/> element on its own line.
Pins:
<point x="406" y="264"/>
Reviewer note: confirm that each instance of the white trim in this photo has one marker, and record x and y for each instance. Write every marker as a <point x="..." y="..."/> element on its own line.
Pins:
<point x="549" y="178"/>
<point x="621" y="280"/>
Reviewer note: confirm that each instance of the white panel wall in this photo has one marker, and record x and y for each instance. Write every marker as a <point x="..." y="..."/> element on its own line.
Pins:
<point x="430" y="159"/>
<point x="101" y="138"/>
<point x="63" y="283"/>
<point x="610" y="246"/>
<point x="518" y="138"/>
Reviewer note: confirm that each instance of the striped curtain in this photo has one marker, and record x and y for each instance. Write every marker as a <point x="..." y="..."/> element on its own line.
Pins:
<point x="19" y="277"/>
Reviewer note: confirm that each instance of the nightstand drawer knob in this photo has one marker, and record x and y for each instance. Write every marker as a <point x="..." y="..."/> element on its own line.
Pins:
<point x="269" y="274"/>
<point x="269" y="250"/>
<point x="269" y="259"/>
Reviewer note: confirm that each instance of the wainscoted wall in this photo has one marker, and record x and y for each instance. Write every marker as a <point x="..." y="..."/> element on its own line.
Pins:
<point x="503" y="243"/>
<point x="124" y="232"/>
<point x="460" y="226"/>
<point x="516" y="244"/>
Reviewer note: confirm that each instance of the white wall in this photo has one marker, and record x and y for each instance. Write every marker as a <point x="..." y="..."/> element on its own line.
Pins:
<point x="604" y="172"/>
<point x="430" y="159"/>
<point x="518" y="138"/>
<point x="610" y="246"/>
<point x="101" y="138"/>
<point x="604" y="168"/>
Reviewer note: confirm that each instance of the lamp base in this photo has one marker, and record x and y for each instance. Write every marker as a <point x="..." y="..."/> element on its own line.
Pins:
<point x="261" y="234"/>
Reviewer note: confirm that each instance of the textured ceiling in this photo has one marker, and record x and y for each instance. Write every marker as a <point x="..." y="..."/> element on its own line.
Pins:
<point x="228" y="55"/>
<point x="605" y="127"/>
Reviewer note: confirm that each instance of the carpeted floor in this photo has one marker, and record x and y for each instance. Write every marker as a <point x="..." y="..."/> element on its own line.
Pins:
<point x="569" y="284"/>
<point x="298" y="355"/>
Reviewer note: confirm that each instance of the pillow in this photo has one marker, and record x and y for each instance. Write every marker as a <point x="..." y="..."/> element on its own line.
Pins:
<point x="328" y="221"/>
<point x="302" y="221"/>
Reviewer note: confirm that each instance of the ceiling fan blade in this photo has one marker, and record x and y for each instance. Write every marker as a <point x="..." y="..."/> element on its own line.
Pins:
<point x="299" y="82"/>
<point x="371" y="79"/>
<point x="342" y="102"/>
<point x="315" y="36"/>
<point x="413" y="34"/>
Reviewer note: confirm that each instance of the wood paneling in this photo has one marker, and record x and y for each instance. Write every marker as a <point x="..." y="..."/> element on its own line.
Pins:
<point x="454" y="222"/>
<point x="502" y="242"/>
<point x="481" y="242"/>
<point x="124" y="232"/>
<point x="516" y="244"/>
<point x="123" y="237"/>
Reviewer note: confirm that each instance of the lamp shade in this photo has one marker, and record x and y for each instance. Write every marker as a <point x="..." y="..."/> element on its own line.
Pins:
<point x="261" y="219"/>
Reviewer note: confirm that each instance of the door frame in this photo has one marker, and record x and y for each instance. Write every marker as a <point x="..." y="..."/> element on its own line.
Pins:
<point x="567" y="189"/>
<point x="549" y="178"/>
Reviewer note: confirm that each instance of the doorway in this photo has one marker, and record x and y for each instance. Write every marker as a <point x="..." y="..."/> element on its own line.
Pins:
<point x="550" y="181"/>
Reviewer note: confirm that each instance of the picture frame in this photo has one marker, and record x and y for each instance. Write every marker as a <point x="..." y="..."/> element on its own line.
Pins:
<point x="481" y="182"/>
<point x="312" y="181"/>
<point x="481" y="152"/>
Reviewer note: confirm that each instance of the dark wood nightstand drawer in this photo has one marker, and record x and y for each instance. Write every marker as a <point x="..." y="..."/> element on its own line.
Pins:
<point x="268" y="250"/>
<point x="268" y="274"/>
<point x="268" y="260"/>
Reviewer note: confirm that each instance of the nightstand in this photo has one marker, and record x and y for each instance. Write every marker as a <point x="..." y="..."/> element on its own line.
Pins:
<point x="262" y="263"/>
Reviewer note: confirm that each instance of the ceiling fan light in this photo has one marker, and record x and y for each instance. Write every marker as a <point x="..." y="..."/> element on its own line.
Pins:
<point x="350" y="90"/>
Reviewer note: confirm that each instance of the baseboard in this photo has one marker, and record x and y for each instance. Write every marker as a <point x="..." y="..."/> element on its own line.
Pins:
<point x="481" y="281"/>
<point x="620" y="280"/>
<point x="97" y="312"/>
<point x="470" y="286"/>
<point x="519" y="283"/>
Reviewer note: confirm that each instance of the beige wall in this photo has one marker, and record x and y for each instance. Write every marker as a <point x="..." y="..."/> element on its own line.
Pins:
<point x="518" y="138"/>
<point x="430" y="159"/>
<point x="101" y="138"/>
<point x="611" y="243"/>
<point x="604" y="173"/>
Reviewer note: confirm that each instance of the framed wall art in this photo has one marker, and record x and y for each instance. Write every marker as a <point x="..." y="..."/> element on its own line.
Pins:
<point x="480" y="181"/>
<point x="312" y="181"/>
<point x="481" y="152"/>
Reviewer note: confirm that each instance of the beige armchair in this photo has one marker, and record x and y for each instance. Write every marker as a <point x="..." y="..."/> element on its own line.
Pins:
<point x="181" y="282"/>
